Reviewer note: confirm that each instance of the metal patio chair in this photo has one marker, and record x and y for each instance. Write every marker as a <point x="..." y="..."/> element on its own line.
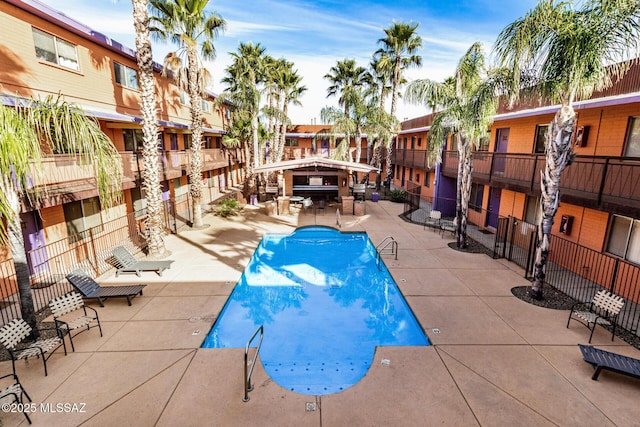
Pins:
<point x="70" y="313"/>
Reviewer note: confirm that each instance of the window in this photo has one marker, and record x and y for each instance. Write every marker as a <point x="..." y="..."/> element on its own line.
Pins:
<point x="139" y="202"/>
<point x="80" y="216"/>
<point x="184" y="98"/>
<point x="624" y="238"/>
<point x="533" y="213"/>
<point x="483" y="144"/>
<point x="477" y="194"/>
<point x="208" y="141"/>
<point x="410" y="174"/>
<point x="418" y="178"/>
<point x="427" y="180"/>
<point x="205" y="106"/>
<point x="291" y="142"/>
<point x="540" y="144"/>
<point x="188" y="138"/>
<point x="52" y="49"/>
<point x="125" y="76"/>
<point x="632" y="146"/>
<point x="419" y="142"/>
<point x="132" y="139"/>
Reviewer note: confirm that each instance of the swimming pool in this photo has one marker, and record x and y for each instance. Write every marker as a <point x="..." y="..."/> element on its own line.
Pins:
<point x="325" y="304"/>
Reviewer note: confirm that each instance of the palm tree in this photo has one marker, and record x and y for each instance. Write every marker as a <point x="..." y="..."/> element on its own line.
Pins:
<point x="186" y="24"/>
<point x="151" y="166"/>
<point x="289" y="83"/>
<point x="469" y="103"/>
<point x="398" y="52"/>
<point x="573" y="51"/>
<point x="381" y="71"/>
<point x="344" y="77"/>
<point x="245" y="74"/>
<point x="243" y="78"/>
<point x="27" y="134"/>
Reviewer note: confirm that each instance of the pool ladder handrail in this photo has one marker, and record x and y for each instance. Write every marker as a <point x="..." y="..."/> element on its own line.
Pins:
<point x="248" y="372"/>
<point x="387" y="242"/>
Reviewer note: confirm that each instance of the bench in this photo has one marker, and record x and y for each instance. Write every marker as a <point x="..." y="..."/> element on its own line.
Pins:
<point x="602" y="310"/>
<point x="433" y="220"/>
<point x="602" y="359"/>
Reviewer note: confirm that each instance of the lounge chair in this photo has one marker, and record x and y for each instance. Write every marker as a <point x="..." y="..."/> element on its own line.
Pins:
<point x="130" y="264"/>
<point x="70" y="313"/>
<point x="602" y="310"/>
<point x="16" y="332"/>
<point x="89" y="288"/>
<point x="433" y="220"/>
<point x="12" y="394"/>
<point x="602" y="359"/>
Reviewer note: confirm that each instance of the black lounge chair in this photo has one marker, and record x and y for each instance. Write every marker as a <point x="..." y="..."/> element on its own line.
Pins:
<point x="89" y="288"/>
<point x="13" y="395"/>
<point x="602" y="359"/>
<point x="130" y="264"/>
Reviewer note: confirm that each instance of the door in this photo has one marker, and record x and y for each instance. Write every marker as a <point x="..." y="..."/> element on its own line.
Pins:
<point x="34" y="243"/>
<point x="502" y="141"/>
<point x="494" y="208"/>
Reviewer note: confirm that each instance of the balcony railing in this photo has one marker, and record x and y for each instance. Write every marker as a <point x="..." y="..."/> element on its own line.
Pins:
<point x="594" y="181"/>
<point x="412" y="158"/>
<point x="60" y="170"/>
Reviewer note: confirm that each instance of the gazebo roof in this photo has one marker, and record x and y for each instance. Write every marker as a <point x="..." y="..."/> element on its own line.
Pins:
<point x="315" y="162"/>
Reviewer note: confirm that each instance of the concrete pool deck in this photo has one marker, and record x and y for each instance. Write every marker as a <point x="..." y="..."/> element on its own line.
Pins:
<point x="495" y="360"/>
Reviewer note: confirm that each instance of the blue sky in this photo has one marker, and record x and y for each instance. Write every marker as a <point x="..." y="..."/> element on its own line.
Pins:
<point x="314" y="35"/>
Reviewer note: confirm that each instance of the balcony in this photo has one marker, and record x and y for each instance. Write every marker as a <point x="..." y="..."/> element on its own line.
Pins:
<point x="69" y="177"/>
<point x="411" y="158"/>
<point x="606" y="183"/>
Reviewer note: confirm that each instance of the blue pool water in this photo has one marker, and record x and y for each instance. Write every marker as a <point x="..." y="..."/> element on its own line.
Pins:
<point x="324" y="304"/>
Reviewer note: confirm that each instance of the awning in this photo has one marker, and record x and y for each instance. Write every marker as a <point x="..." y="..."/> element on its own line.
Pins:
<point x="315" y="162"/>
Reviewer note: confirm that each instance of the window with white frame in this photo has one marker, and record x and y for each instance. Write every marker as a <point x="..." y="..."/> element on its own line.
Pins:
<point x="184" y="98"/>
<point x="205" y="106"/>
<point x="125" y="76"/>
<point x="624" y="238"/>
<point x="632" y="146"/>
<point x="50" y="48"/>
<point x="81" y="216"/>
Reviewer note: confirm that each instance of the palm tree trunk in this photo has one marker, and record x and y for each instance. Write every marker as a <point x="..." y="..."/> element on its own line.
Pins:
<point x="151" y="166"/>
<point x="466" y="165"/>
<point x="16" y="244"/>
<point x="559" y="155"/>
<point x="195" y="175"/>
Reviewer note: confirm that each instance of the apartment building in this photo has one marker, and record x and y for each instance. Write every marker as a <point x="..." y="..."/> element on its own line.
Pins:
<point x="46" y="53"/>
<point x="599" y="210"/>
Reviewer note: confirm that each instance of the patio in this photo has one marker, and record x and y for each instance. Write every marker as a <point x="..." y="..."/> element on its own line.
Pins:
<point x="495" y="360"/>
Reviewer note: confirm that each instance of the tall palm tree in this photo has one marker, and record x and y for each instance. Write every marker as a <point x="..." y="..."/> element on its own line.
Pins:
<point x="188" y="25"/>
<point x="245" y="75"/>
<point x="469" y="101"/>
<point x="344" y="77"/>
<point x="291" y="89"/>
<point x="381" y="71"/>
<point x="27" y="134"/>
<point x="151" y="166"/>
<point x="398" y="52"/>
<point x="573" y="51"/>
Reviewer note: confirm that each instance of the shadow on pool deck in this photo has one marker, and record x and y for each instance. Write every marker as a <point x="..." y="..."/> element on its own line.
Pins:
<point x="495" y="360"/>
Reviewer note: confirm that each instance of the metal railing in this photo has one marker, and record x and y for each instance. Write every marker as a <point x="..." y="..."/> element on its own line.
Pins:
<point x="248" y="372"/>
<point x="389" y="245"/>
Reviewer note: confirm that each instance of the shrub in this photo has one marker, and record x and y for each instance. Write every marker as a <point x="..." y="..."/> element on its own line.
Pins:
<point x="397" y="195"/>
<point x="227" y="207"/>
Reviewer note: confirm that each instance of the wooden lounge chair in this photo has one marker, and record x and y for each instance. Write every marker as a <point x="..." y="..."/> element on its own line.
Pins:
<point x="16" y="332"/>
<point x="602" y="310"/>
<point x="70" y="313"/>
<point x="602" y="359"/>
<point x="130" y="264"/>
<point x="89" y="288"/>
<point x="12" y="394"/>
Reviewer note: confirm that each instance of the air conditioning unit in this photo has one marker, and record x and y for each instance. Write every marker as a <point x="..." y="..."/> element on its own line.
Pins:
<point x="580" y="136"/>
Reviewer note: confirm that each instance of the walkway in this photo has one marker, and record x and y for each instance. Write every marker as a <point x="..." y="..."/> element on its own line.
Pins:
<point x="496" y="360"/>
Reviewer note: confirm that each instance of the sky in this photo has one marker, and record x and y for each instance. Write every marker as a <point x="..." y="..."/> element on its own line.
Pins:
<point x="315" y="35"/>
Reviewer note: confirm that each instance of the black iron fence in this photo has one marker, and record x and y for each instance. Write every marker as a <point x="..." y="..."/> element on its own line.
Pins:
<point x="48" y="264"/>
<point x="576" y="270"/>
